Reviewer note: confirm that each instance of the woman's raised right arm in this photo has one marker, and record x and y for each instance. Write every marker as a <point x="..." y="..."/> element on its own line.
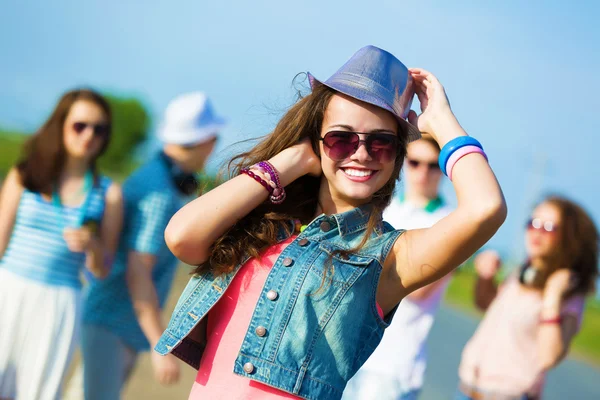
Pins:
<point x="10" y="196"/>
<point x="195" y="227"/>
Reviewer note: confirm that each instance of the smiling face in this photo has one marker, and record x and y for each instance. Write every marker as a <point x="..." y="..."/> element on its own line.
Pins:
<point x="353" y="180"/>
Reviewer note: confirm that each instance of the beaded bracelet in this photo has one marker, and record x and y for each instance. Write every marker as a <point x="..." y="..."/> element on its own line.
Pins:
<point x="264" y="175"/>
<point x="278" y="194"/>
<point x="257" y="179"/>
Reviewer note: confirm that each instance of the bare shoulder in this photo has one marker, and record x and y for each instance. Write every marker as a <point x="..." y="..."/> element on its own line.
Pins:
<point x="114" y="194"/>
<point x="13" y="179"/>
<point x="10" y="195"/>
<point x="12" y="187"/>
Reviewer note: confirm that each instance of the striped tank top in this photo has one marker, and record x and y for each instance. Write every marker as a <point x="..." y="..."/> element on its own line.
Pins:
<point x="37" y="249"/>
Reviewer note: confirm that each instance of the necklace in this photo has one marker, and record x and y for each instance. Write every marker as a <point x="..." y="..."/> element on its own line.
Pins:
<point x="88" y="182"/>
<point x="298" y="227"/>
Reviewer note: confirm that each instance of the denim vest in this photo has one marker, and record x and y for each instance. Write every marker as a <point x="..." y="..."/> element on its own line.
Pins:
<point x="305" y="337"/>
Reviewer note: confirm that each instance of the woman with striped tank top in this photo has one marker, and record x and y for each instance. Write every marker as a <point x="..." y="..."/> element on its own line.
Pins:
<point x="58" y="216"/>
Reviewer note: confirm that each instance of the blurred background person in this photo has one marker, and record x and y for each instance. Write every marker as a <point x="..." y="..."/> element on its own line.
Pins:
<point x="57" y="216"/>
<point x="122" y="312"/>
<point x="397" y="367"/>
<point x="532" y="317"/>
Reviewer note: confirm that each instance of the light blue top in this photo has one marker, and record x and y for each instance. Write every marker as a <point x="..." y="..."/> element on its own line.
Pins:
<point x="150" y="199"/>
<point x="37" y="249"/>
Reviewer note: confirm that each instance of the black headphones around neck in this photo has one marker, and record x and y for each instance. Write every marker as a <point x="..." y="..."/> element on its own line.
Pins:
<point x="185" y="182"/>
<point x="527" y="274"/>
<point x="530" y="276"/>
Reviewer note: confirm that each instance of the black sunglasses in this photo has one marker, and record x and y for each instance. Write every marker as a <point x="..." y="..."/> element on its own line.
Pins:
<point x="339" y="145"/>
<point x="432" y="166"/>
<point x="100" y="130"/>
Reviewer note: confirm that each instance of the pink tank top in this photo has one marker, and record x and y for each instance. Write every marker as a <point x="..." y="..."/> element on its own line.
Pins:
<point x="227" y="325"/>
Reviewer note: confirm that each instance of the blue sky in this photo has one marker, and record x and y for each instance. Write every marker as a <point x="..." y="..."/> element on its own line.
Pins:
<point x="522" y="78"/>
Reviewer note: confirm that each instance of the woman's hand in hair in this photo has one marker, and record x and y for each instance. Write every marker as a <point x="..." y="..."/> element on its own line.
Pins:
<point x="79" y="240"/>
<point x="436" y="117"/>
<point x="310" y="162"/>
<point x="297" y="161"/>
<point x="558" y="284"/>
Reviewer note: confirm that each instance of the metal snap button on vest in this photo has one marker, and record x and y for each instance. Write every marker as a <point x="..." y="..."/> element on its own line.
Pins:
<point x="288" y="262"/>
<point x="303" y="242"/>
<point x="272" y="295"/>
<point x="249" y="368"/>
<point x="325" y="226"/>
<point x="261" y="331"/>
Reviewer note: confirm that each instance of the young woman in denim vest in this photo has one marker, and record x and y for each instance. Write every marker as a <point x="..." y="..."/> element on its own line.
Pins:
<point x="57" y="216"/>
<point x="297" y="275"/>
<point x="534" y="315"/>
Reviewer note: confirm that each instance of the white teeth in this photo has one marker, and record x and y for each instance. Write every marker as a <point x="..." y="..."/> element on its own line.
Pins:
<point x="358" y="172"/>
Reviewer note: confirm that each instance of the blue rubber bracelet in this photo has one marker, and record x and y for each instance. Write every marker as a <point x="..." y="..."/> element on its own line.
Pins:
<point x="454" y="145"/>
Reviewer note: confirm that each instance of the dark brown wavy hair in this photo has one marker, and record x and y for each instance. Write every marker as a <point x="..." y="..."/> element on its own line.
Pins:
<point x="258" y="230"/>
<point x="578" y="243"/>
<point x="44" y="153"/>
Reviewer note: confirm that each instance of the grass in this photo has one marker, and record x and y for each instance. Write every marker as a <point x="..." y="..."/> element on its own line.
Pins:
<point x="586" y="344"/>
<point x="10" y="149"/>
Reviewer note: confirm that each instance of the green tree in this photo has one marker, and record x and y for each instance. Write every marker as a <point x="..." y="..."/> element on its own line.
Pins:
<point x="131" y="122"/>
<point x="10" y="149"/>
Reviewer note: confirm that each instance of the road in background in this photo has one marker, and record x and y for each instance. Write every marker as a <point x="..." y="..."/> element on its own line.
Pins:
<point x="571" y="380"/>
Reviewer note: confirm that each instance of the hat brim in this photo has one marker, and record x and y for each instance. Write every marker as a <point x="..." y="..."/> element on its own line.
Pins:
<point x="190" y="137"/>
<point x="412" y="131"/>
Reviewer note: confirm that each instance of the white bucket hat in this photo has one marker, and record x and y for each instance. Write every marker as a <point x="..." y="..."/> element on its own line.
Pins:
<point x="190" y="119"/>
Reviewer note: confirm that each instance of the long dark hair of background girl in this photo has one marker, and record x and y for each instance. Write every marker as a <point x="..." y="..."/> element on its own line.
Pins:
<point x="578" y="244"/>
<point x="44" y="154"/>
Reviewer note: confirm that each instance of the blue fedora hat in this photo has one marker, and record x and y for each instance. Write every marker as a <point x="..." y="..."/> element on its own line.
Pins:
<point x="376" y="77"/>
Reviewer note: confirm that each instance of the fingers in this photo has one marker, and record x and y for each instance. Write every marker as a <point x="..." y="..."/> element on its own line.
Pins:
<point x="421" y="87"/>
<point x="421" y="80"/>
<point x="164" y="378"/>
<point x="76" y="242"/>
<point x="169" y="376"/>
<point x="174" y="376"/>
<point x="76" y="247"/>
<point x="76" y="234"/>
<point x="412" y="117"/>
<point x="421" y="74"/>
<point x="425" y="82"/>
<point x="71" y="234"/>
<point x="422" y="96"/>
<point x="166" y="371"/>
<point x="161" y="376"/>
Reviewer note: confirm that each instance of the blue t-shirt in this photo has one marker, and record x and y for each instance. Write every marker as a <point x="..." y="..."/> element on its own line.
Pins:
<point x="150" y="199"/>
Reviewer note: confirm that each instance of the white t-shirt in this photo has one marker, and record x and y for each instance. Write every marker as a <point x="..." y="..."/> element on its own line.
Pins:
<point x="402" y="351"/>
